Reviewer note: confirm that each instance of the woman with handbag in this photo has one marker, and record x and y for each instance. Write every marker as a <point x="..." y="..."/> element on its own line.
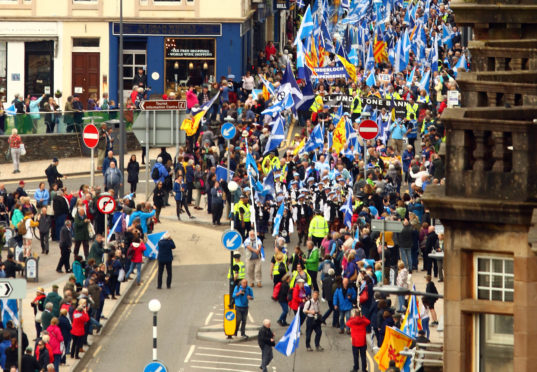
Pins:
<point x="56" y="341"/>
<point x="15" y="148"/>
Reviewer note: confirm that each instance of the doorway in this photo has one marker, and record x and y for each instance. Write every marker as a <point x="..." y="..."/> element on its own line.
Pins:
<point x="86" y="73"/>
<point x="39" y="68"/>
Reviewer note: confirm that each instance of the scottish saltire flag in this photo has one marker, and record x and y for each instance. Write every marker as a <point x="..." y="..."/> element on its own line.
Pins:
<point x="268" y="185"/>
<point x="251" y="164"/>
<point x="151" y="246"/>
<point x="410" y="78"/>
<point x="370" y="81"/>
<point x="405" y="50"/>
<point x="268" y="85"/>
<point x="276" y="136"/>
<point x="10" y="312"/>
<point x="306" y="27"/>
<point x="279" y="106"/>
<point x="290" y="340"/>
<point x="221" y="173"/>
<point x="300" y="3"/>
<point x="352" y="136"/>
<point x="446" y="37"/>
<point x="118" y="225"/>
<point x="316" y="139"/>
<point x="347" y="210"/>
<point x="11" y="110"/>
<point x="278" y="220"/>
<point x="425" y="81"/>
<point x="357" y="238"/>
<point x="370" y="61"/>
<point x="460" y="63"/>
<point x="412" y="321"/>
<point x="307" y="93"/>
<point x="288" y="86"/>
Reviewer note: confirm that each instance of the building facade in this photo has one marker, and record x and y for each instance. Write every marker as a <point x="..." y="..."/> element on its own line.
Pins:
<point x="72" y="46"/>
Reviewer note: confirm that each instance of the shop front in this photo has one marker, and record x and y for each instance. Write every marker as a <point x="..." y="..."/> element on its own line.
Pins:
<point x="177" y="55"/>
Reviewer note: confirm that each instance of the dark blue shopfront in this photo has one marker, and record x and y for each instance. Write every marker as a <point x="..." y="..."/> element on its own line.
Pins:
<point x="178" y="54"/>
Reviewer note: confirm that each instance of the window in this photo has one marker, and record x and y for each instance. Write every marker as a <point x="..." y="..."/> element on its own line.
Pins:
<point x="86" y="42"/>
<point x="3" y="71"/>
<point x="132" y="61"/>
<point x="496" y="342"/>
<point x="495" y="278"/>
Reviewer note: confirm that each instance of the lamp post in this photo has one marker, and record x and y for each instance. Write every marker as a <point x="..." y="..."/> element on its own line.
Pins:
<point x="154" y="307"/>
<point x="120" y="100"/>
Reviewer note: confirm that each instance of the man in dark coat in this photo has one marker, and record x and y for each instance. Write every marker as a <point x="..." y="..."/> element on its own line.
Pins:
<point x="65" y="247"/>
<point x="265" y="339"/>
<point x="53" y="176"/>
<point x="165" y="258"/>
<point x="140" y="80"/>
<point x="45" y="222"/>
<point x="29" y="363"/>
<point x="60" y="205"/>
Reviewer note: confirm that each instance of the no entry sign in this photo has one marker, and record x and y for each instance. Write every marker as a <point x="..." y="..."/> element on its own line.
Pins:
<point x="368" y="129"/>
<point x="90" y="136"/>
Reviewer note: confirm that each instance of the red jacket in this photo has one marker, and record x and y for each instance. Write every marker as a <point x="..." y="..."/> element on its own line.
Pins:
<point x="139" y="249"/>
<point x="358" y="325"/>
<point x="55" y="339"/>
<point x="80" y="318"/>
<point x="49" y="349"/>
<point x="297" y="301"/>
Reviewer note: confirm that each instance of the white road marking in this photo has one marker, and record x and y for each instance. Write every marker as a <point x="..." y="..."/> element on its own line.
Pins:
<point x="226" y="356"/>
<point x="220" y="362"/>
<point x="209" y="318"/>
<point x="239" y="345"/>
<point x="224" y="369"/>
<point x="233" y="351"/>
<point x="190" y="352"/>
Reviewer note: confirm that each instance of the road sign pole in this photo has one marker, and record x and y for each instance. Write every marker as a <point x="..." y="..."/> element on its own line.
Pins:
<point x="365" y="160"/>
<point x="19" y="336"/>
<point x="92" y="177"/>
<point x="146" y="155"/>
<point x="155" y="336"/>
<point x="382" y="242"/>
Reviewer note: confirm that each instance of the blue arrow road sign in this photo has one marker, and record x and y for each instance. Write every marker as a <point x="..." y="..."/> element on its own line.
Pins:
<point x="230" y="315"/>
<point x="155" y="367"/>
<point x="231" y="239"/>
<point x="228" y="131"/>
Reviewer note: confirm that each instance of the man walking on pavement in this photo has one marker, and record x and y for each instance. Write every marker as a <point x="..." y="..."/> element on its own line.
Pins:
<point x="242" y="294"/>
<point x="65" y="247"/>
<point x="165" y="257"/>
<point x="312" y="309"/>
<point x="265" y="339"/>
<point x="252" y="247"/>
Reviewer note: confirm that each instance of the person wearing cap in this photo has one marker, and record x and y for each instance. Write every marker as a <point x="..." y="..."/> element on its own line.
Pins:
<point x="165" y="258"/>
<point x="239" y="269"/>
<point x="253" y="246"/>
<point x="318" y="228"/>
<point x="279" y="266"/>
<point x="53" y="176"/>
<point x="242" y="215"/>
<point x="55" y="299"/>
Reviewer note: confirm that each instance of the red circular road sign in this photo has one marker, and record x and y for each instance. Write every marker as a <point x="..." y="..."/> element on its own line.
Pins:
<point x="106" y="204"/>
<point x="90" y="136"/>
<point x="368" y="129"/>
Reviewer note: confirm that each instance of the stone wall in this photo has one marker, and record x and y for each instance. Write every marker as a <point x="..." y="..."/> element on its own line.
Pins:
<point x="65" y="145"/>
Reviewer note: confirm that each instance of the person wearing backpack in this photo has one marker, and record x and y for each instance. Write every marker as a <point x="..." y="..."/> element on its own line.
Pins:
<point x="162" y="172"/>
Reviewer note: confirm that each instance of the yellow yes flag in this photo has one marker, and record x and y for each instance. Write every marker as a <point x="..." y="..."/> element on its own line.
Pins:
<point x="300" y="146"/>
<point x="351" y="69"/>
<point x="339" y="136"/>
<point x="188" y="126"/>
<point x="394" y="342"/>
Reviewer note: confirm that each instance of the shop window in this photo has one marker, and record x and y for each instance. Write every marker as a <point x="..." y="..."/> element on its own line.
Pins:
<point x="3" y="71"/>
<point x="495" y="278"/>
<point x="132" y="61"/>
<point x="496" y="343"/>
<point x="189" y="61"/>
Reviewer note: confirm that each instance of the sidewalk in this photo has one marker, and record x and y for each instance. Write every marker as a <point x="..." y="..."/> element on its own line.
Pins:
<point x="35" y="170"/>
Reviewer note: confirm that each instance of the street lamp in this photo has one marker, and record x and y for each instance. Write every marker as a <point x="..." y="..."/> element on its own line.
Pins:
<point x="154" y="307"/>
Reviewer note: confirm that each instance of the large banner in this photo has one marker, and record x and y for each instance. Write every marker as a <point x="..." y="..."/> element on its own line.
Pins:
<point x="334" y="100"/>
<point x="337" y="72"/>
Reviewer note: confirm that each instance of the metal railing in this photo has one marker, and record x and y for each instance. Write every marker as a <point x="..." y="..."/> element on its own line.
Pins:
<point x="63" y="122"/>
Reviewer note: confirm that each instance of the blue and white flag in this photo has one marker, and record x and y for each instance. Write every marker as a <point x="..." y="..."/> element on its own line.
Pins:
<point x="118" y="225"/>
<point x="290" y="340"/>
<point x="278" y="220"/>
<point x="10" y="312"/>
<point x="306" y="27"/>
<point x="447" y="37"/>
<point x="347" y="210"/>
<point x="460" y="63"/>
<point x="276" y="136"/>
<point x="268" y="185"/>
<point x="370" y="81"/>
<point x="279" y="106"/>
<point x="307" y="94"/>
<point x="288" y="86"/>
<point x="151" y="246"/>
<point x="425" y="81"/>
<point x="11" y="110"/>
<point x="251" y="165"/>
<point x="411" y="324"/>
<point x="221" y="173"/>
<point x="316" y="139"/>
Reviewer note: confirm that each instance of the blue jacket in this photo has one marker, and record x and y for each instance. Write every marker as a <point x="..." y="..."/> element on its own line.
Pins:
<point x="6" y="344"/>
<point x="106" y="163"/>
<point x="397" y="131"/>
<point x="162" y="172"/>
<point x="165" y="247"/>
<point x="43" y="196"/>
<point x="34" y="107"/>
<point x="77" y="272"/>
<point x="407" y="158"/>
<point x="143" y="216"/>
<point x="344" y="303"/>
<point x="189" y="176"/>
<point x="242" y="300"/>
<point x="178" y="190"/>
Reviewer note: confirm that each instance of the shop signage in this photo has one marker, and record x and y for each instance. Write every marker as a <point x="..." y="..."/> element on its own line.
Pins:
<point x="163" y="105"/>
<point x="281" y="4"/>
<point x="170" y="29"/>
<point x="189" y="53"/>
<point x="334" y="100"/>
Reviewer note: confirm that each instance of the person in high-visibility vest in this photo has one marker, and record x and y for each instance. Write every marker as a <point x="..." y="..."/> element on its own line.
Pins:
<point x="279" y="266"/>
<point x="270" y="162"/>
<point x="242" y="213"/>
<point x="239" y="270"/>
<point x="316" y="107"/>
<point x="423" y="97"/>
<point x="356" y="106"/>
<point x="411" y="108"/>
<point x="300" y="273"/>
<point x="318" y="229"/>
<point x="391" y="94"/>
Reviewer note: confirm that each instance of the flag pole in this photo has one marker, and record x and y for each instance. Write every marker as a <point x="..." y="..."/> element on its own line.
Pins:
<point x="251" y="192"/>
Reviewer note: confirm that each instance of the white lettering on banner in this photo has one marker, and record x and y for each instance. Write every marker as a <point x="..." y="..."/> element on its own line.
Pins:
<point x="452" y="98"/>
<point x="175" y="52"/>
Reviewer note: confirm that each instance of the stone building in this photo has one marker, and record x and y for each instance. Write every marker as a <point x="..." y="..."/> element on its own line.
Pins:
<point x="487" y="203"/>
